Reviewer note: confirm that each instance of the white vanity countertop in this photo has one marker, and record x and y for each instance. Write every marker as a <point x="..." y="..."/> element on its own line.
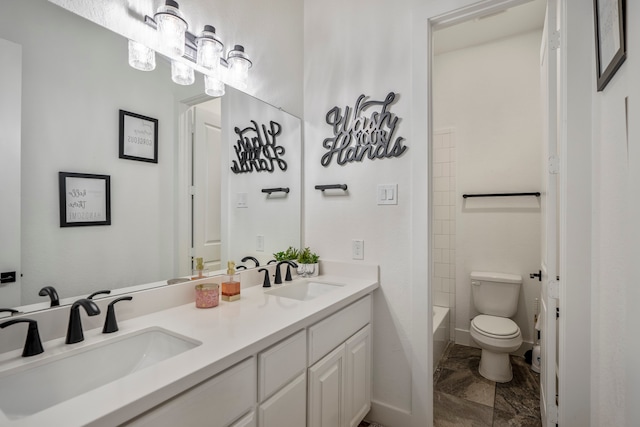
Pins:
<point x="229" y="334"/>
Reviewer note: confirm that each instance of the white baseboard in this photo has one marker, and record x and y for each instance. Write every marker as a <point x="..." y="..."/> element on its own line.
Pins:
<point x="388" y="415"/>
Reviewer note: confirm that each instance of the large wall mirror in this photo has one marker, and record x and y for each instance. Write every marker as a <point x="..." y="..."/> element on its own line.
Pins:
<point x="75" y="79"/>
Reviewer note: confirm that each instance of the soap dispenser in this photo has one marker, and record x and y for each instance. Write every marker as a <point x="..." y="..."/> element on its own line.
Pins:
<point x="197" y="272"/>
<point x="231" y="284"/>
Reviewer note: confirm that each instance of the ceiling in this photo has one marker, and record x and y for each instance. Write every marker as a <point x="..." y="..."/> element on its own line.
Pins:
<point x="476" y="31"/>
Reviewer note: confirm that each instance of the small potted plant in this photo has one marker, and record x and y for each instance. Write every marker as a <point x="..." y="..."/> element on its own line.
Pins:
<point x="291" y="254"/>
<point x="307" y="263"/>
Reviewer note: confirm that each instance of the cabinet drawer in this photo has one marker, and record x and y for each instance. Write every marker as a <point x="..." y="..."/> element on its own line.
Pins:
<point x="215" y="402"/>
<point x="249" y="420"/>
<point x="281" y="363"/>
<point x="329" y="333"/>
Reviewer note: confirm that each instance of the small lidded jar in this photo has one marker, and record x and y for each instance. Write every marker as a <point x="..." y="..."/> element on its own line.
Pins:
<point x="207" y="295"/>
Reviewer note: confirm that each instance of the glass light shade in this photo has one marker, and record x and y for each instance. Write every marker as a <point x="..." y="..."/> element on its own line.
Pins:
<point x="239" y="65"/>
<point x="171" y="27"/>
<point x="213" y="86"/>
<point x="182" y="74"/>
<point x="209" y="48"/>
<point x="141" y="57"/>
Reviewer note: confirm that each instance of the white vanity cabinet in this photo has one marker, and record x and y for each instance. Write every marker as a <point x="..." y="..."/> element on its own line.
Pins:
<point x="216" y="402"/>
<point x="340" y="381"/>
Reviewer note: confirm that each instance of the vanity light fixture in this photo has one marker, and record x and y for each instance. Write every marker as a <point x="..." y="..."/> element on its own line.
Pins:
<point x="188" y="53"/>
<point x="239" y="65"/>
<point x="171" y="27"/>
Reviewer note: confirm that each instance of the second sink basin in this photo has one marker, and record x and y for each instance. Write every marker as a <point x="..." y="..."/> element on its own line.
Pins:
<point x="304" y="291"/>
<point x="27" y="390"/>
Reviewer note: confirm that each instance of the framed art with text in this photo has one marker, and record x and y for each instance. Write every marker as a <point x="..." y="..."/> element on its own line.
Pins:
<point x="85" y="199"/>
<point x="138" y="137"/>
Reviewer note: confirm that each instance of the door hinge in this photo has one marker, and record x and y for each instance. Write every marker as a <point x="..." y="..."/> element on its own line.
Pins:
<point x="554" y="165"/>
<point x="554" y="40"/>
<point x="553" y="289"/>
<point x="192" y="190"/>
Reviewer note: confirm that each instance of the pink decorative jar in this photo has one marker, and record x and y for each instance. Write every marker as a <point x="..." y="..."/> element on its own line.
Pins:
<point x="207" y="295"/>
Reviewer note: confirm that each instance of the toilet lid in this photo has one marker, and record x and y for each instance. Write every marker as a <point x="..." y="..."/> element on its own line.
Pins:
<point x="493" y="325"/>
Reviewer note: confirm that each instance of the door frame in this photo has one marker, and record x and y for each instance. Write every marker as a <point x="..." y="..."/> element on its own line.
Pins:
<point x="573" y="341"/>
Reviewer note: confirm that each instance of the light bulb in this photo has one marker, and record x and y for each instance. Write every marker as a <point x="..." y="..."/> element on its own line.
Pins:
<point x="182" y="74"/>
<point x="141" y="57"/>
<point x="209" y="48"/>
<point x="213" y="86"/>
<point x="171" y="27"/>
<point x="239" y="65"/>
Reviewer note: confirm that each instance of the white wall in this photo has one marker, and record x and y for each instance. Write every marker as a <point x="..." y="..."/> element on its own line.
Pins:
<point x="354" y="48"/>
<point x="496" y="112"/>
<point x="616" y="233"/>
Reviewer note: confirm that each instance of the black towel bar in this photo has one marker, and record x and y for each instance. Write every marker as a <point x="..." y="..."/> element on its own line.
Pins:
<point x="276" y="190"/>
<point x="332" y="187"/>
<point x="466" y="196"/>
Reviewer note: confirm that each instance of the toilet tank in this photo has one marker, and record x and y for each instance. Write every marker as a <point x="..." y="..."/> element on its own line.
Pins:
<point x="495" y="294"/>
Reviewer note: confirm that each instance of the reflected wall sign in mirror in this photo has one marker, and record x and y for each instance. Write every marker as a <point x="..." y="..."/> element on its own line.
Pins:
<point x="75" y="100"/>
<point x="85" y="199"/>
<point x="138" y="137"/>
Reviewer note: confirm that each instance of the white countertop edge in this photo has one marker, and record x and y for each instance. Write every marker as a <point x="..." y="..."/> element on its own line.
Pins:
<point x="260" y="320"/>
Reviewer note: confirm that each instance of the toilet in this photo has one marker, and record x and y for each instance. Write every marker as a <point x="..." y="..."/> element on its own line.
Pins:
<point x="495" y="296"/>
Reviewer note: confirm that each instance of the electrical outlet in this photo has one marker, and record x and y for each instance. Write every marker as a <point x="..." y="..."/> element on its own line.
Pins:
<point x="260" y="243"/>
<point x="357" y="249"/>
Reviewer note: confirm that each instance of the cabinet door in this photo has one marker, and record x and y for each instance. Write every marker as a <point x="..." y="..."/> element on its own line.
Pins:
<point x="358" y="376"/>
<point x="248" y="420"/>
<point x="326" y="390"/>
<point x="286" y="408"/>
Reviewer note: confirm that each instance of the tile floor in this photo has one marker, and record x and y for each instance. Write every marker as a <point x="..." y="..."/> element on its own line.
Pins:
<point x="462" y="397"/>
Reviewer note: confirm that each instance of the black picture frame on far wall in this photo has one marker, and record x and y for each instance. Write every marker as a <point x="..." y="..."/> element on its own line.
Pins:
<point x="138" y="137"/>
<point x="609" y="16"/>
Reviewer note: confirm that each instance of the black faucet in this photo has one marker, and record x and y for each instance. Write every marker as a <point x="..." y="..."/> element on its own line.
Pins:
<point x="266" y="283"/>
<point x="247" y="258"/>
<point x="50" y="291"/>
<point x="9" y="310"/>
<point x="74" y="330"/>
<point x="278" y="279"/>
<point x="105" y="291"/>
<point x="32" y="345"/>
<point x="241" y="267"/>
<point x="110" y="324"/>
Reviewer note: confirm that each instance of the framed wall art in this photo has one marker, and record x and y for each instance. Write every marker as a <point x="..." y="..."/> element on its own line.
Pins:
<point x="138" y="137"/>
<point x="610" y="38"/>
<point x="85" y="199"/>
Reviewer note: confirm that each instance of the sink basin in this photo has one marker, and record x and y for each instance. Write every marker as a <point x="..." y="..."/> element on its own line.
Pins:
<point x="32" y="388"/>
<point x="304" y="291"/>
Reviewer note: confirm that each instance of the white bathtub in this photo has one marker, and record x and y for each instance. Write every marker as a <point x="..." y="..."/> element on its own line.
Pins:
<point x="440" y="332"/>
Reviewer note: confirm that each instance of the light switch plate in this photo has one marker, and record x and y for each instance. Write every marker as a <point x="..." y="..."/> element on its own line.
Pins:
<point x="387" y="194"/>
<point x="357" y="249"/>
<point x="260" y="243"/>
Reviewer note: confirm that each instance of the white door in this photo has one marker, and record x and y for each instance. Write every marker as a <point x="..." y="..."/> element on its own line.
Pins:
<point x="10" y="118"/>
<point x="206" y="184"/>
<point x="549" y="204"/>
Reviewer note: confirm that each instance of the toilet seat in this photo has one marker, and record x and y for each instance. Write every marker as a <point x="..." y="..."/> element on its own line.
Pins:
<point x="495" y="327"/>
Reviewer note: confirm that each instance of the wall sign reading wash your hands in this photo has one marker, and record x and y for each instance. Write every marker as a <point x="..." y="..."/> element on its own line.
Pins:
<point x="368" y="129"/>
<point x="257" y="150"/>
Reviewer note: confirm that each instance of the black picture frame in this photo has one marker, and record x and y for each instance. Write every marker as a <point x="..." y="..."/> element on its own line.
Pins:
<point x="609" y="17"/>
<point x="85" y="199"/>
<point x="138" y="137"/>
